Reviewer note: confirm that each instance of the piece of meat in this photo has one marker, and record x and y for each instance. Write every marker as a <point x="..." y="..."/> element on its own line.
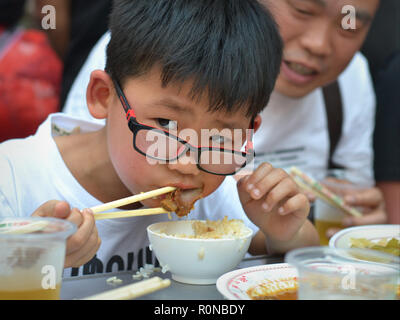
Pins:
<point x="181" y="201"/>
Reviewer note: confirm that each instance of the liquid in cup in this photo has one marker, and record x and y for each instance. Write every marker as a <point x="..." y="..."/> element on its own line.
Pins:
<point x="31" y="264"/>
<point x="336" y="274"/>
<point x="325" y="218"/>
<point x="325" y="215"/>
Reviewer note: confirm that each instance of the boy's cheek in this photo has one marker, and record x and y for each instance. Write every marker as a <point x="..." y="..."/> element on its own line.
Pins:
<point x="211" y="184"/>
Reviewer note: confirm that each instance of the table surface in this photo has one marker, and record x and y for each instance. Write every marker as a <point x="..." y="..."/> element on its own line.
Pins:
<point x="81" y="287"/>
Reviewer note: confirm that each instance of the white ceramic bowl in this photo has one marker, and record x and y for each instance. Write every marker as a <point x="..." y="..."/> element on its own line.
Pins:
<point x="342" y="238"/>
<point x="195" y="261"/>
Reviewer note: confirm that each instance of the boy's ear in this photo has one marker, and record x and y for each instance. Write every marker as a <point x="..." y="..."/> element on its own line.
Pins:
<point x="99" y="94"/>
<point x="257" y="122"/>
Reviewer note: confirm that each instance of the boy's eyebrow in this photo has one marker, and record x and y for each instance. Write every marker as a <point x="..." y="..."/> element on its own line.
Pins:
<point x="176" y="107"/>
<point x="227" y="125"/>
<point x="173" y="105"/>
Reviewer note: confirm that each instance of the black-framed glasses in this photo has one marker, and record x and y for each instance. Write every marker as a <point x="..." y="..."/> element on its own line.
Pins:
<point x="166" y="147"/>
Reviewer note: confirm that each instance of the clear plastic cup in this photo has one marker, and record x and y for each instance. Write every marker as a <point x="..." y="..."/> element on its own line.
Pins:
<point x="32" y="253"/>
<point x="340" y="274"/>
<point x="341" y="182"/>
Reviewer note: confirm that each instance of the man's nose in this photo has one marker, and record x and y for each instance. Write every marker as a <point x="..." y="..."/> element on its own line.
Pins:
<point x="317" y="40"/>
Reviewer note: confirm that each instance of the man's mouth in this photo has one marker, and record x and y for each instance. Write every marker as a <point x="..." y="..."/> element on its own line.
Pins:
<point x="298" y="73"/>
<point x="301" y="69"/>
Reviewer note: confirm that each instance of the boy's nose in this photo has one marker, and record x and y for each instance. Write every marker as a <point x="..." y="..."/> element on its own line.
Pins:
<point x="186" y="164"/>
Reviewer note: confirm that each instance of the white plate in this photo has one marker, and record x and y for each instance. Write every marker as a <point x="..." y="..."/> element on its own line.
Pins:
<point x="370" y="232"/>
<point x="233" y="285"/>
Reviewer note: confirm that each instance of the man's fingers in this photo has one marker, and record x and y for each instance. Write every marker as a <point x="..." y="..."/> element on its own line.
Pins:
<point x="376" y="217"/>
<point x="331" y="231"/>
<point x="365" y="198"/>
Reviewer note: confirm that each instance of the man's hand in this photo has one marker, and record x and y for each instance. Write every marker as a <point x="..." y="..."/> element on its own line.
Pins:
<point x="371" y="203"/>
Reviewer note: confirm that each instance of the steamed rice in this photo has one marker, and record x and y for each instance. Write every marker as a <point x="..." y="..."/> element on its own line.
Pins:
<point x="220" y="229"/>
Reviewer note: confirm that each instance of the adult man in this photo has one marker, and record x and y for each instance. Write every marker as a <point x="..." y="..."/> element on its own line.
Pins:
<point x="319" y="48"/>
<point x="294" y="130"/>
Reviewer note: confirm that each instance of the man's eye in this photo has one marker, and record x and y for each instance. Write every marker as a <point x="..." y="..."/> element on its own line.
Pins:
<point x="167" y="124"/>
<point x="304" y="12"/>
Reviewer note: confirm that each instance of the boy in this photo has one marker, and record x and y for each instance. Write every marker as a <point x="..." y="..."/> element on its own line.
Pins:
<point x="172" y="65"/>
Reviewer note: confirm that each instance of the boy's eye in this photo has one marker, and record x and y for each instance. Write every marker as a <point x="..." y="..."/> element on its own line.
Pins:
<point x="221" y="140"/>
<point x="167" y="124"/>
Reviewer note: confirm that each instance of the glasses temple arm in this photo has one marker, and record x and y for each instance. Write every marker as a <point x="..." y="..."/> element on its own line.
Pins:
<point x="249" y="136"/>
<point x="125" y="104"/>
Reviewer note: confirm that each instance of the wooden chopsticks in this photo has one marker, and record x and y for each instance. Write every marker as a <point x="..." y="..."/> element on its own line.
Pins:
<point x="132" y="291"/>
<point x="125" y="201"/>
<point x="309" y="184"/>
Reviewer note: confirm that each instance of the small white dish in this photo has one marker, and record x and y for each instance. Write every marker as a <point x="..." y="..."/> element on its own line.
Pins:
<point x="235" y="284"/>
<point x="342" y="239"/>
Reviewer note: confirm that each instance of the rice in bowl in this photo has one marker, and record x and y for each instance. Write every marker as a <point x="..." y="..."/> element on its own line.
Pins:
<point x="192" y="249"/>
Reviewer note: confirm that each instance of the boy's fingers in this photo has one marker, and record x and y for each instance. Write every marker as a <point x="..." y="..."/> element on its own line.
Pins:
<point x="241" y="186"/>
<point x="86" y="252"/>
<point x="53" y="208"/>
<point x="310" y="196"/>
<point x="76" y="217"/>
<point x="297" y="204"/>
<point x="251" y="183"/>
<point x="81" y="236"/>
<point x="61" y="210"/>
<point x="286" y="188"/>
<point x="268" y="183"/>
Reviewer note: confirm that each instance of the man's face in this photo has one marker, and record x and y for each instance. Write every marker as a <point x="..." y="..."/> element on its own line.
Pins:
<point x="316" y="46"/>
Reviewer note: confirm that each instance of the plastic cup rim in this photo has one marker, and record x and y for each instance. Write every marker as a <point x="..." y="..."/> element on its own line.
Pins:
<point x="342" y="255"/>
<point x="63" y="234"/>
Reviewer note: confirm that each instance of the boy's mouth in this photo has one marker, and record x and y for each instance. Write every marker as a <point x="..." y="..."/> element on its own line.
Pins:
<point x="181" y="201"/>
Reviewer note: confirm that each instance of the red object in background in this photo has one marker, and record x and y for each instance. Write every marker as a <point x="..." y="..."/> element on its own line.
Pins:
<point x="30" y="79"/>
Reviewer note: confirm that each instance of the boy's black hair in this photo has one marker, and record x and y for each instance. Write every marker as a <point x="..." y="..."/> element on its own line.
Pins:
<point x="231" y="48"/>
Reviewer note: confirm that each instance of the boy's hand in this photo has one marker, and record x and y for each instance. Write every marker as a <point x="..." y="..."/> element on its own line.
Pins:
<point x="273" y="202"/>
<point x="84" y="243"/>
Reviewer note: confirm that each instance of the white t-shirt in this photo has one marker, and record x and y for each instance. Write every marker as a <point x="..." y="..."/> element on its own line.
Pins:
<point x="32" y="172"/>
<point x="293" y="131"/>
